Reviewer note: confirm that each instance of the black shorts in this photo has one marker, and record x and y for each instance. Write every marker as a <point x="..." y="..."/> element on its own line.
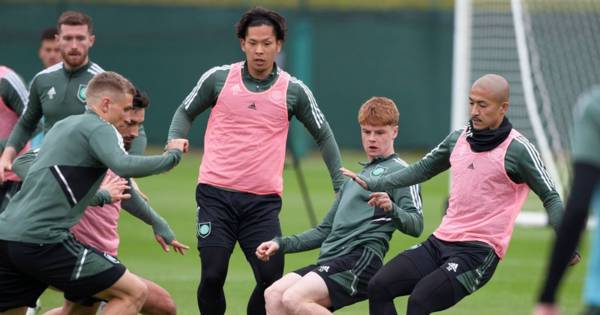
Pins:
<point x="469" y="265"/>
<point x="225" y="217"/>
<point x="8" y="189"/>
<point x="347" y="277"/>
<point x="27" y="269"/>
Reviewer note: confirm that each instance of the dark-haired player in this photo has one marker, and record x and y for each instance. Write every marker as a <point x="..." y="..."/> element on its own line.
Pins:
<point x="240" y="183"/>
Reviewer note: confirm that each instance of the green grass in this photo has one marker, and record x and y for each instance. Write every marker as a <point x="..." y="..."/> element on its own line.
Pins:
<point x="512" y="290"/>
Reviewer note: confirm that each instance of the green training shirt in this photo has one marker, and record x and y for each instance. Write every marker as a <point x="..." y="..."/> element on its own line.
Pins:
<point x="300" y="103"/>
<point x="586" y="142"/>
<point x="55" y="93"/>
<point x="67" y="174"/>
<point x="522" y="164"/>
<point x="352" y="223"/>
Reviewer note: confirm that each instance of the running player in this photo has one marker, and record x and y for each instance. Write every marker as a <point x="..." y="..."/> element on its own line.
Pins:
<point x="240" y="182"/>
<point x="36" y="248"/>
<point x="584" y="194"/>
<point x="354" y="235"/>
<point x="493" y="167"/>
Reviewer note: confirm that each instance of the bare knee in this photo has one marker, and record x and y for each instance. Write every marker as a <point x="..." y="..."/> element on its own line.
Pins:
<point x="159" y="304"/>
<point x="291" y="301"/>
<point x="273" y="295"/>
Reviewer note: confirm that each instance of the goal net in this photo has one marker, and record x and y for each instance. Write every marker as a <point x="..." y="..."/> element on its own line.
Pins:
<point x="548" y="50"/>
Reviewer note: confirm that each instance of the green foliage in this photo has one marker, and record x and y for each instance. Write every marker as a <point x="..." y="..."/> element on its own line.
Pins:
<point x="513" y="288"/>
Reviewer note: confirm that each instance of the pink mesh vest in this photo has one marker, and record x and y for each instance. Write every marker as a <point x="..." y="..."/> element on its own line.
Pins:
<point x="484" y="201"/>
<point x="98" y="225"/>
<point x="8" y="120"/>
<point x="244" y="144"/>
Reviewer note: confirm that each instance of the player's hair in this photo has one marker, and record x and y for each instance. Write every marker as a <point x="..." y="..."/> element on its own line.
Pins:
<point x="260" y="16"/>
<point x="75" y="18"/>
<point x="108" y="83"/>
<point x="49" y="34"/>
<point x="140" y="99"/>
<point x="379" y="111"/>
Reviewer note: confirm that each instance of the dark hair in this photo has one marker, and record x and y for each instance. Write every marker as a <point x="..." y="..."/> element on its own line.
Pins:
<point x="74" y="18"/>
<point x="140" y="99"/>
<point x="261" y="16"/>
<point x="49" y="34"/>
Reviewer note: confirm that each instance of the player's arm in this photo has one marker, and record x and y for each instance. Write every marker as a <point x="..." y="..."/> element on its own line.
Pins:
<point x="203" y="96"/>
<point x="408" y="210"/>
<point x="524" y="165"/>
<point x="309" y="239"/>
<point x="28" y="121"/>
<point x="106" y="145"/>
<point x="303" y="105"/>
<point x="23" y="162"/>
<point x="435" y="162"/>
<point x="15" y="94"/>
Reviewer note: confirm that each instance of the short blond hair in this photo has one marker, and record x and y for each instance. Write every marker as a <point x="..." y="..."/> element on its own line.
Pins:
<point x="379" y="111"/>
<point x="108" y="83"/>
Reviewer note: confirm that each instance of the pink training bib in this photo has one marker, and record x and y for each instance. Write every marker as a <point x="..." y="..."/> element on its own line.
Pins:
<point x="245" y="140"/>
<point x="484" y="201"/>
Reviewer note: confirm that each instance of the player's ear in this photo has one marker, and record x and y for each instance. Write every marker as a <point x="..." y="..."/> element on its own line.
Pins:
<point x="242" y="43"/>
<point x="279" y="45"/>
<point x="92" y="40"/>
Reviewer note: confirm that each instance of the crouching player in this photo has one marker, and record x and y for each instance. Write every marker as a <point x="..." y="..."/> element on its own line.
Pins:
<point x="355" y="233"/>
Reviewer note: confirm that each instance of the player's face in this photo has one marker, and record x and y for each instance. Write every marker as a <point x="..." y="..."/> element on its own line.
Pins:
<point x="74" y="42"/>
<point x="486" y="111"/>
<point x="49" y="52"/>
<point x="261" y="48"/>
<point x="130" y="128"/>
<point x="378" y="141"/>
<point x="118" y="109"/>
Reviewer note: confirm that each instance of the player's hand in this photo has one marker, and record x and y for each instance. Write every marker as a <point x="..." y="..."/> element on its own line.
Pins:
<point x="353" y="176"/>
<point x="181" y="144"/>
<point x="575" y="259"/>
<point x="116" y="187"/>
<point x="381" y="200"/>
<point x="177" y="247"/>
<point x="267" y="249"/>
<point x="546" y="309"/>
<point x="6" y="160"/>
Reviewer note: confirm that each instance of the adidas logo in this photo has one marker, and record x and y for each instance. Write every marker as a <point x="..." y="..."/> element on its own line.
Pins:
<point x="324" y="269"/>
<point x="252" y="106"/>
<point x="471" y="166"/>
<point x="452" y="267"/>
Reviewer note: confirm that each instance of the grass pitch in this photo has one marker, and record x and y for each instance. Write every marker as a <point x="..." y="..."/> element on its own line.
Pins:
<point x="512" y="290"/>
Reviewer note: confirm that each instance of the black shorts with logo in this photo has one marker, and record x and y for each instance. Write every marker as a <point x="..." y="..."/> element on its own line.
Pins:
<point x="225" y="217"/>
<point x="27" y="269"/>
<point x="347" y="277"/>
<point x="469" y="265"/>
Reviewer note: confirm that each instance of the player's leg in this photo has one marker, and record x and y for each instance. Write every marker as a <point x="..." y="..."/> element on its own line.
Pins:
<point x="159" y="301"/>
<point x="399" y="277"/>
<point x="309" y="295"/>
<point x="217" y="234"/>
<point x="274" y="293"/>
<point x="259" y="222"/>
<point x="468" y="269"/>
<point x="591" y="293"/>
<point x="73" y="308"/>
<point x="126" y="296"/>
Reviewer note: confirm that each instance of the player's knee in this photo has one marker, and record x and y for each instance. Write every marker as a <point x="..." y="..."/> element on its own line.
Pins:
<point x="291" y="301"/>
<point x="160" y="305"/>
<point x="272" y="295"/>
<point x="213" y="277"/>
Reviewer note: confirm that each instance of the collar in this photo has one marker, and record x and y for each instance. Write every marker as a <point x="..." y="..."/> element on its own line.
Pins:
<point x="79" y="70"/>
<point x="249" y="78"/>
<point x="378" y="160"/>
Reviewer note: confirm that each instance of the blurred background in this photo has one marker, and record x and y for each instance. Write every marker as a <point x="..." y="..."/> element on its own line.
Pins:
<point x="346" y="52"/>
